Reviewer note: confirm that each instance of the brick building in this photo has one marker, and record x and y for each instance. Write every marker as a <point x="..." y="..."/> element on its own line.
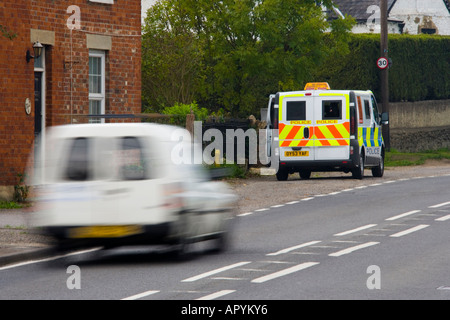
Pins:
<point x="90" y="64"/>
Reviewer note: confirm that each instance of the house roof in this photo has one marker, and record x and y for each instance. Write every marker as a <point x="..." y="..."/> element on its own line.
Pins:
<point x="358" y="8"/>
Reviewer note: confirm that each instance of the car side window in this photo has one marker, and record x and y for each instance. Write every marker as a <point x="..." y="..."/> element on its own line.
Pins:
<point x="132" y="159"/>
<point x="78" y="165"/>
<point x="375" y="110"/>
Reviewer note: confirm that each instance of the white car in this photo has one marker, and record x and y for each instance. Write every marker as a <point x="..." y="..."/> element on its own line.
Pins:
<point x="117" y="184"/>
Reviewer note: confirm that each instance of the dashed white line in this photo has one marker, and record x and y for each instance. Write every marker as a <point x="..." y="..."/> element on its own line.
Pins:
<point x="215" y="271"/>
<point x="285" y="272"/>
<point x="245" y="214"/>
<point x="216" y="295"/>
<point x="292" y="202"/>
<point x="351" y="249"/>
<point x="439" y="205"/>
<point x="444" y="218"/>
<point x="293" y="248"/>
<point x="355" y="230"/>
<point x="410" y="230"/>
<point x="278" y="206"/>
<point x="141" y="295"/>
<point x="403" y="215"/>
<point x="307" y="199"/>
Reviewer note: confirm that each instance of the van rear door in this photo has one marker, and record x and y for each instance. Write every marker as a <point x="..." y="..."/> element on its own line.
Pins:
<point x="332" y="126"/>
<point x="296" y="127"/>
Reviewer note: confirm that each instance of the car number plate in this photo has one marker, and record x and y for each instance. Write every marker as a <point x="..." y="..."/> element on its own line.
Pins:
<point x="296" y="153"/>
<point x="104" y="231"/>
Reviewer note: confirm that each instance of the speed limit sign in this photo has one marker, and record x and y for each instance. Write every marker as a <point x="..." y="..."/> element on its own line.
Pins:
<point x="382" y="63"/>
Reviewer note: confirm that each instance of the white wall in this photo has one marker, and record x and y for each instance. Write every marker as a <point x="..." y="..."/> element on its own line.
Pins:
<point x="418" y="14"/>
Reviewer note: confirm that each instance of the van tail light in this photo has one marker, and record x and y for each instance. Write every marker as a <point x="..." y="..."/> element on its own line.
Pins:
<point x="172" y="196"/>
<point x="352" y="121"/>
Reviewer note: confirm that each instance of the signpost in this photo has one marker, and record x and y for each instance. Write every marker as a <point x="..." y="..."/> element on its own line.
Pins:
<point x="383" y="64"/>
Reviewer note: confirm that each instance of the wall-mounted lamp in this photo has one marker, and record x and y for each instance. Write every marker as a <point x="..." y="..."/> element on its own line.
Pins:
<point x="37" y="48"/>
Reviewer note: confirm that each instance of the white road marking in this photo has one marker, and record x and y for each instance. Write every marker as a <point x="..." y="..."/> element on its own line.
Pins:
<point x="285" y="272"/>
<point x="245" y="214"/>
<point x="47" y="259"/>
<point x="293" y="248"/>
<point x="351" y="249"/>
<point x="410" y="230"/>
<point x="444" y="218"/>
<point x="262" y="209"/>
<point x="215" y="271"/>
<point x="216" y="295"/>
<point x="292" y="202"/>
<point x="278" y="206"/>
<point x="403" y="215"/>
<point x="440" y="205"/>
<point x="307" y="199"/>
<point x="141" y="295"/>
<point x="355" y="230"/>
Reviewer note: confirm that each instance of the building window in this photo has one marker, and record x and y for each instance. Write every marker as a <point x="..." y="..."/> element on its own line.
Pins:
<point x="96" y="85"/>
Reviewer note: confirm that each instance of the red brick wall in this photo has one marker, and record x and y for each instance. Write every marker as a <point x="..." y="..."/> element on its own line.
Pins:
<point x="16" y="84"/>
<point x="67" y="69"/>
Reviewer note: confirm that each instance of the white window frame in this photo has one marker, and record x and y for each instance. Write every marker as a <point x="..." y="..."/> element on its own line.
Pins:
<point x="99" y="96"/>
<point x="103" y="1"/>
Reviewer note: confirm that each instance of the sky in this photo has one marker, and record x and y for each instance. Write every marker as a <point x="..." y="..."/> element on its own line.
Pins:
<point x="145" y="5"/>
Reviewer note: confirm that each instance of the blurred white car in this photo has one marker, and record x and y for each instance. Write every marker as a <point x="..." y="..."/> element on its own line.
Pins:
<point x="117" y="184"/>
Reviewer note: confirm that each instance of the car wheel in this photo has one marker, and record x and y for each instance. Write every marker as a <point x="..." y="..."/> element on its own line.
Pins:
<point x="282" y="174"/>
<point x="305" y="174"/>
<point x="358" y="172"/>
<point x="378" y="171"/>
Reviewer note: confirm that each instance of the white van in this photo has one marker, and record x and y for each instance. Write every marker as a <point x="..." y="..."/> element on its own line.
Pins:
<point x="116" y="184"/>
<point x="319" y="129"/>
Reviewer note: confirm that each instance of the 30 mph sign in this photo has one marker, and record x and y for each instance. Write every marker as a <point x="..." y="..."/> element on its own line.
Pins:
<point x="382" y="63"/>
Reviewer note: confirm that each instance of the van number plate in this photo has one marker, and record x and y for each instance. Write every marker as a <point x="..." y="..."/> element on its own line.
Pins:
<point x="104" y="231"/>
<point x="296" y="153"/>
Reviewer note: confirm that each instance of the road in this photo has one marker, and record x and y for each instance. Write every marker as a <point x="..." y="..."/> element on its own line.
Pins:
<point x="386" y="240"/>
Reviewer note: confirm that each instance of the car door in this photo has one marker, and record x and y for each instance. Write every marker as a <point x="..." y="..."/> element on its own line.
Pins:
<point x="296" y="127"/>
<point x="332" y="126"/>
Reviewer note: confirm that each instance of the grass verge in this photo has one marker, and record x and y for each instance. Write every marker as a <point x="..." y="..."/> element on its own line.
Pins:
<point x="396" y="159"/>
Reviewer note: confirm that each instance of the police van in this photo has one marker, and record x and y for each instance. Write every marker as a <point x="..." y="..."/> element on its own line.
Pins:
<point x="320" y="129"/>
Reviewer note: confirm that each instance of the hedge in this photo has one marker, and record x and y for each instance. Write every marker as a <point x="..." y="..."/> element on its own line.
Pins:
<point x="420" y="68"/>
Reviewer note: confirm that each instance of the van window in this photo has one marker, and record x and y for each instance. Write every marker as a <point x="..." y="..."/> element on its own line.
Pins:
<point x="367" y="109"/>
<point x="295" y="110"/>
<point x="360" y="111"/>
<point x="132" y="160"/>
<point x="78" y="164"/>
<point x="332" y="110"/>
<point x="375" y="110"/>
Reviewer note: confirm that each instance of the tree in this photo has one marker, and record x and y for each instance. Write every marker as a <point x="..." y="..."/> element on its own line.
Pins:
<point x="171" y="57"/>
<point x="247" y="49"/>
